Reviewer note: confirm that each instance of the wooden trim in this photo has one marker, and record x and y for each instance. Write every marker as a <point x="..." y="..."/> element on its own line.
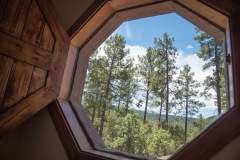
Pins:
<point x="91" y="27"/>
<point x="213" y="139"/>
<point x="72" y="120"/>
<point x="68" y="72"/>
<point x="118" y="5"/>
<point x="101" y="35"/>
<point x="57" y="67"/>
<point x="235" y="39"/>
<point x="69" y="143"/>
<point x="143" y="11"/>
<point x="79" y="76"/>
<point x="64" y="121"/>
<point x="93" y="137"/>
<point x="83" y="19"/>
<point x="53" y="20"/>
<point x="24" y="52"/>
<point x="25" y="109"/>
<point x="227" y="7"/>
<point x="209" y="142"/>
<point x="205" y="11"/>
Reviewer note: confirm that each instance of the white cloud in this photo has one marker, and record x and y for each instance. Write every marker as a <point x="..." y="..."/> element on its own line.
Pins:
<point x="128" y="30"/>
<point x="189" y="47"/>
<point x="195" y="63"/>
<point x="136" y="51"/>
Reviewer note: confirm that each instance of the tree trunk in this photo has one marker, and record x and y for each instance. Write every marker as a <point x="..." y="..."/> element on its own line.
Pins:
<point x="102" y="119"/>
<point x="160" y="113"/>
<point x="94" y="109"/>
<point x="119" y="102"/>
<point x="218" y="81"/>
<point x="186" y="118"/>
<point x="104" y="103"/>
<point x="167" y="98"/>
<point x="127" y="103"/>
<point x="146" y="103"/>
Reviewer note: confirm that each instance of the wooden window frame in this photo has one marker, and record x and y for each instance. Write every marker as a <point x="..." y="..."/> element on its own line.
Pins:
<point x="220" y="19"/>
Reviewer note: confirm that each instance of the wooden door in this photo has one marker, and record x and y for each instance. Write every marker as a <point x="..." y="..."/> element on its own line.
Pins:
<point x="33" y="51"/>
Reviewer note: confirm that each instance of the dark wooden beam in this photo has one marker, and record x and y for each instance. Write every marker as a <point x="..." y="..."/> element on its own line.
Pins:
<point x="85" y="17"/>
<point x="24" y="52"/>
<point x="20" y="112"/>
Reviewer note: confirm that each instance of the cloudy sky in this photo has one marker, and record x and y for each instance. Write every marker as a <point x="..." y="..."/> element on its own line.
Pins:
<point x="139" y="36"/>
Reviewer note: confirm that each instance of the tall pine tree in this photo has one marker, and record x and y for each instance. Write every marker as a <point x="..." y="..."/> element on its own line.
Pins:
<point x="211" y="51"/>
<point x="166" y="54"/>
<point x="186" y="93"/>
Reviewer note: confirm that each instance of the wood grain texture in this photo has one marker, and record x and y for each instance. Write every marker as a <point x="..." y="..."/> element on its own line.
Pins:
<point x="8" y="16"/>
<point x="227" y="7"/>
<point x="125" y="4"/>
<point x="235" y="39"/>
<point x="18" y="84"/>
<point x="34" y="26"/>
<point x="5" y="68"/>
<point x="57" y="67"/>
<point x="201" y="9"/>
<point x="93" y="25"/>
<point x="65" y="134"/>
<point x="73" y="123"/>
<point x="93" y="137"/>
<point x="68" y="72"/>
<point x="25" y="109"/>
<point x="48" y="40"/>
<point x="14" y="17"/>
<point x="53" y="20"/>
<point x="146" y="11"/>
<point x="38" y="80"/>
<point x="24" y="52"/>
<point x="2" y="6"/>
<point x="85" y="17"/>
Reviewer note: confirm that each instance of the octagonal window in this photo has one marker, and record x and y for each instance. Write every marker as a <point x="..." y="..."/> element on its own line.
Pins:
<point x="154" y="84"/>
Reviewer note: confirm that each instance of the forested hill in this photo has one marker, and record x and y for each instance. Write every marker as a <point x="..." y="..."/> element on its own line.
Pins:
<point x="154" y="116"/>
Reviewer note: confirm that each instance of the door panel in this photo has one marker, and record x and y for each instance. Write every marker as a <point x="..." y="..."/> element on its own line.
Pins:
<point x="33" y="52"/>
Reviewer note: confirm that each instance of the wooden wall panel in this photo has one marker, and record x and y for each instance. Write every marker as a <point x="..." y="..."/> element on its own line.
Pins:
<point x="14" y="17"/>
<point x="18" y="84"/>
<point x="2" y="6"/>
<point x="38" y="80"/>
<point x="33" y="51"/>
<point x="24" y="52"/>
<point x="34" y="26"/>
<point x="48" y="40"/>
<point x="5" y="68"/>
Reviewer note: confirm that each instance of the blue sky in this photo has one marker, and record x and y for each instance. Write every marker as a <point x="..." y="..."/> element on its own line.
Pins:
<point x="141" y="32"/>
<point x="139" y="36"/>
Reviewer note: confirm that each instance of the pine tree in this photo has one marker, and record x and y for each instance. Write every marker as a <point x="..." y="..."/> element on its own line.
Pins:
<point x="165" y="58"/>
<point x="127" y="86"/>
<point x="146" y="70"/>
<point x="115" y="52"/>
<point x="211" y="51"/>
<point x="185" y="95"/>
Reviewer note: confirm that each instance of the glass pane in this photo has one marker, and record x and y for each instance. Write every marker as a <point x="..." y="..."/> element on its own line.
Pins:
<point x="154" y="84"/>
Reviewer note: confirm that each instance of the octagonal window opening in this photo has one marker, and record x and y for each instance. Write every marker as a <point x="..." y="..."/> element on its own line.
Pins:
<point x="134" y="78"/>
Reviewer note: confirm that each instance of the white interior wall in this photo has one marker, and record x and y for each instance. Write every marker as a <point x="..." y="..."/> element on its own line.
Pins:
<point x="36" y="139"/>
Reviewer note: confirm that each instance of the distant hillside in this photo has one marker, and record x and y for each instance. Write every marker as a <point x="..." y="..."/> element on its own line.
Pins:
<point x="171" y="118"/>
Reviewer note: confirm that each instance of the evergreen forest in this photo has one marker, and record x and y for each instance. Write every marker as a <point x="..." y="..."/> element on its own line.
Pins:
<point x="119" y="93"/>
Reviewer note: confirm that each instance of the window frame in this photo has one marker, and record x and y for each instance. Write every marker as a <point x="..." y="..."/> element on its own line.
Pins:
<point x="75" y="128"/>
